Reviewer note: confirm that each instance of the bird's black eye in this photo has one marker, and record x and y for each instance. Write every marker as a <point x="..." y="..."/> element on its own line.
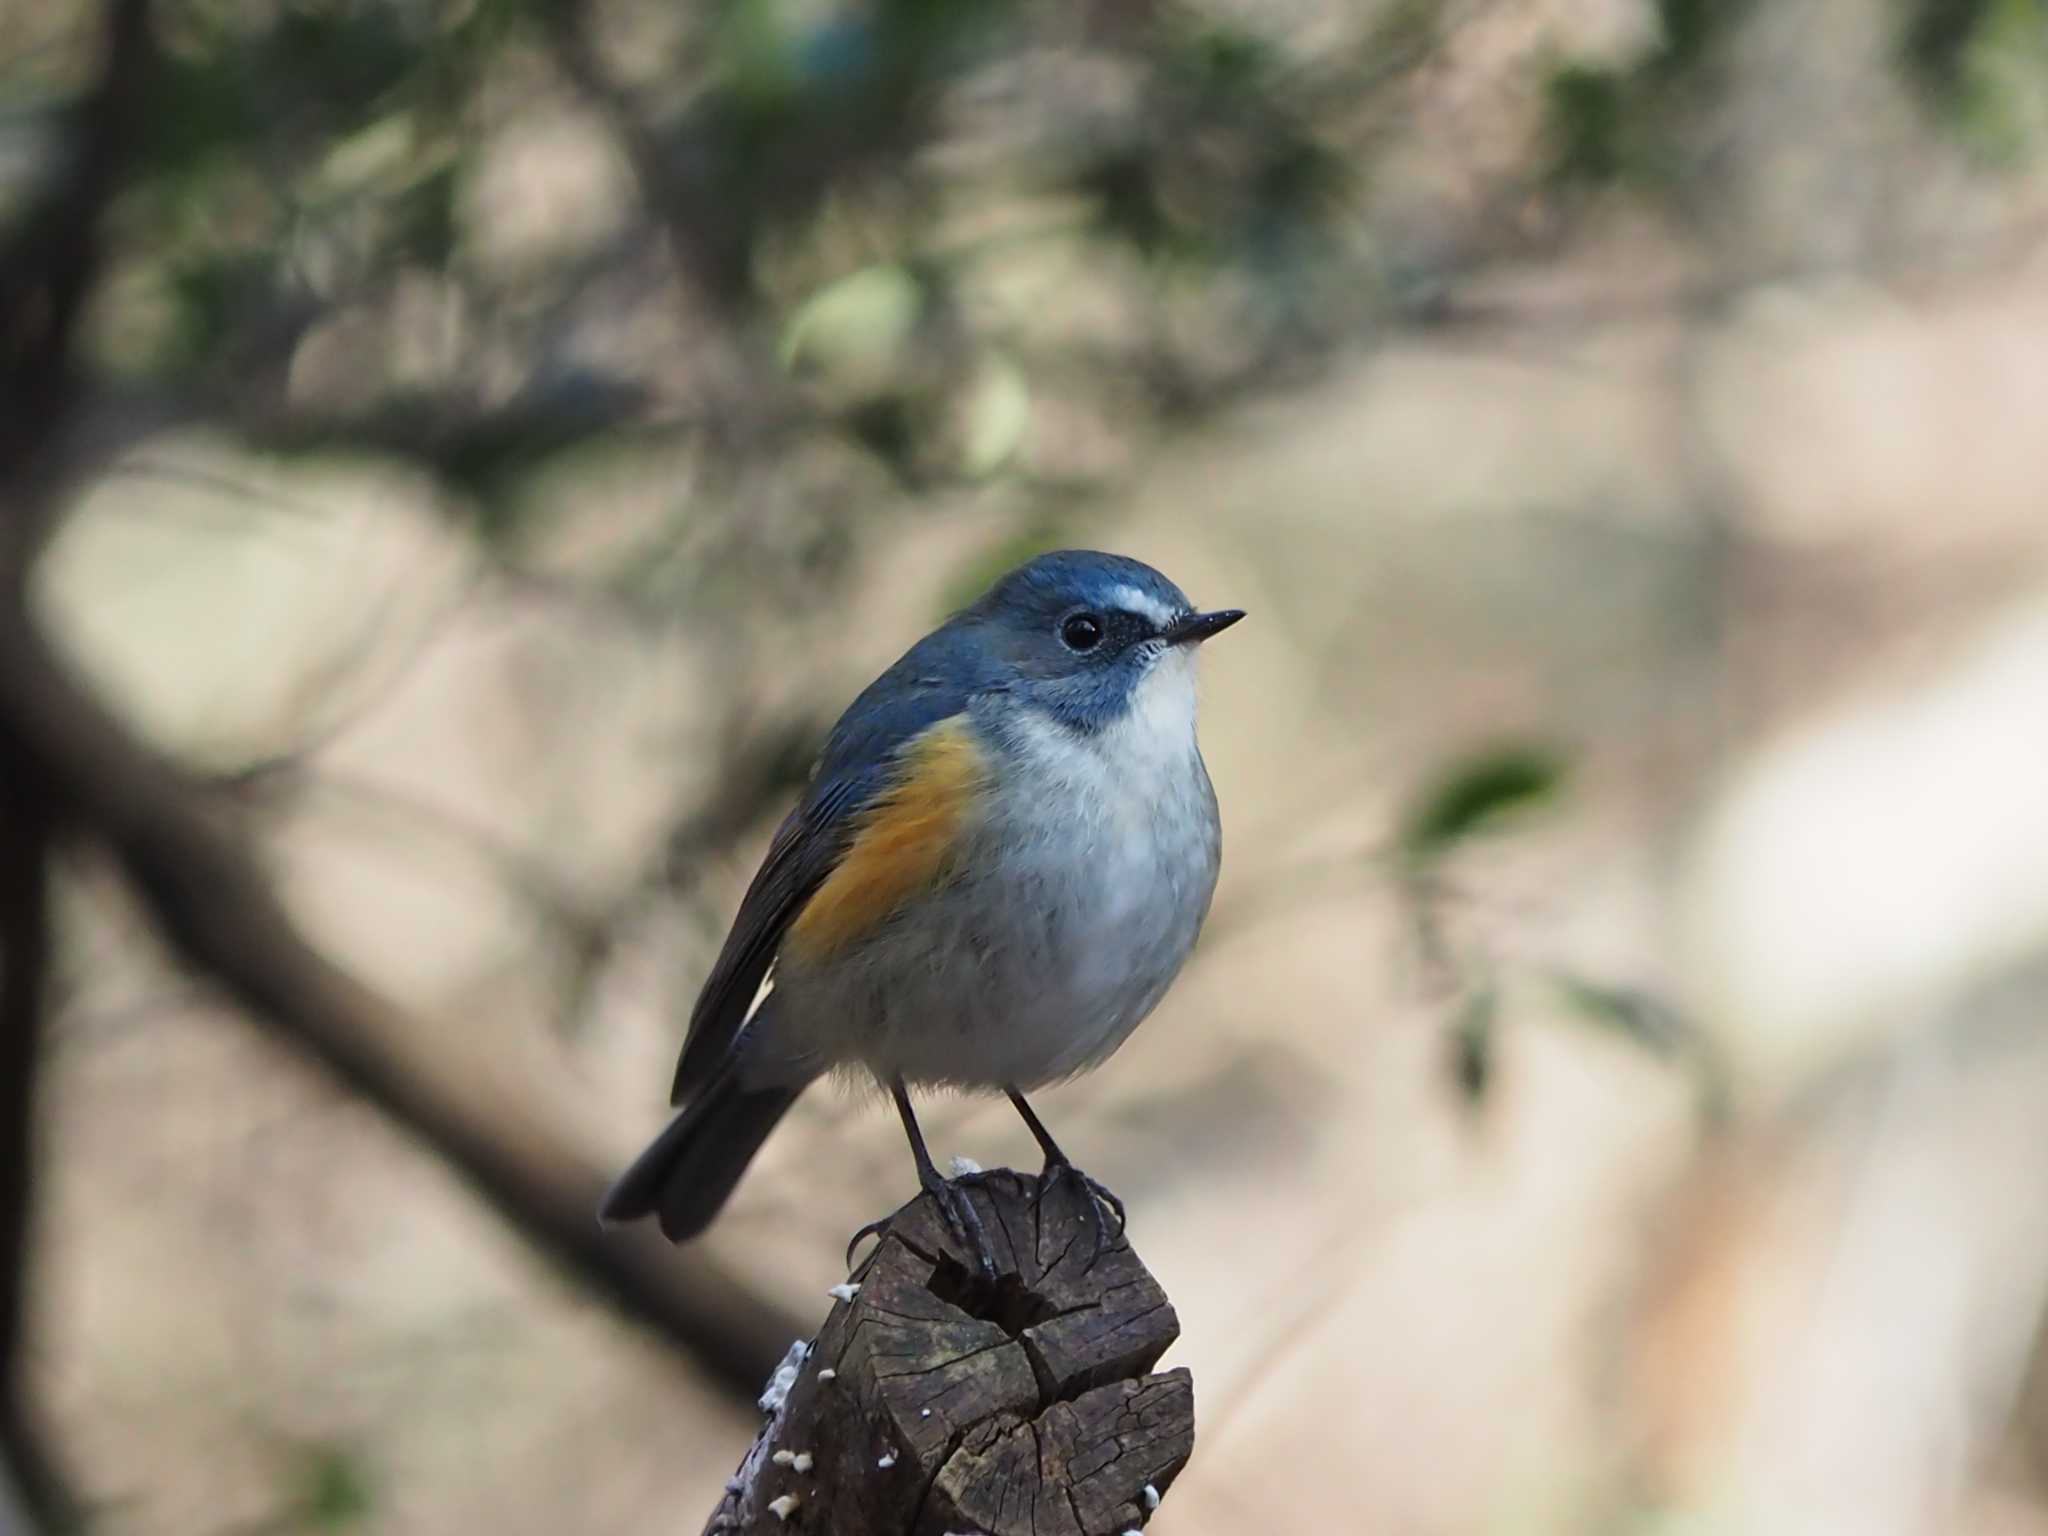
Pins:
<point x="1082" y="632"/>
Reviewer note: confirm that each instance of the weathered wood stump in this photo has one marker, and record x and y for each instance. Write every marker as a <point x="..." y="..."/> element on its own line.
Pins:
<point x="937" y="1402"/>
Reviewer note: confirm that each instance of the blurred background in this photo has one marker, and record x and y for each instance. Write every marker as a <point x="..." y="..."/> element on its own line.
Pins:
<point x="457" y="457"/>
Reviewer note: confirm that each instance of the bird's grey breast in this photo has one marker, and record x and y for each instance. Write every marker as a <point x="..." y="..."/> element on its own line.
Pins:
<point x="1104" y="855"/>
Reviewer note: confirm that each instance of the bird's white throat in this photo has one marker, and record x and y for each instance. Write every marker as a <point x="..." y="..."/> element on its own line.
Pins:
<point x="1158" y="730"/>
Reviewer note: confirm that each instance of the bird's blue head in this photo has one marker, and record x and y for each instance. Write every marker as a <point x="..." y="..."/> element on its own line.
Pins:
<point x="1086" y="637"/>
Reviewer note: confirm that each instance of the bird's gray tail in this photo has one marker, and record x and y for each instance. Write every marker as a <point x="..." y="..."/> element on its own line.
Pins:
<point x="690" y="1171"/>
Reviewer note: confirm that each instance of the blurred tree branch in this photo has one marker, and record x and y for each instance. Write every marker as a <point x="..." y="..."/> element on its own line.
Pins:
<point x="26" y="840"/>
<point x="216" y="909"/>
<point x="46" y="270"/>
<point x="67" y="757"/>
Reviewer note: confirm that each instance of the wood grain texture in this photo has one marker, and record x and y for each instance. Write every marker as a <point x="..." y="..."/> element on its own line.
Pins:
<point x="903" y="842"/>
<point x="1023" y="1407"/>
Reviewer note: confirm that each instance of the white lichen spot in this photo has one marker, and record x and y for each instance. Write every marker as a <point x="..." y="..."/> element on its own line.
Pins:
<point x="783" y="1458"/>
<point x="1151" y="1497"/>
<point x="846" y="1290"/>
<point x="827" y="1374"/>
<point x="886" y="1460"/>
<point x="782" y="1508"/>
<point x="801" y="1461"/>
<point x="964" y="1167"/>
<point x="776" y="1393"/>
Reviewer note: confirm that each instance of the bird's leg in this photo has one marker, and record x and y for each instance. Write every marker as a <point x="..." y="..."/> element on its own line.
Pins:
<point x="1059" y="1166"/>
<point x="951" y="1197"/>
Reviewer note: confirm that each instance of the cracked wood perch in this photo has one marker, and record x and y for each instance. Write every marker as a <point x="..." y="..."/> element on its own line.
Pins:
<point x="934" y="1402"/>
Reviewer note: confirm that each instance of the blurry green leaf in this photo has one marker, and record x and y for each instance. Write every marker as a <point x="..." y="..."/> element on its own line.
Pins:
<point x="373" y="154"/>
<point x="757" y="51"/>
<point x="1228" y="60"/>
<point x="272" y="82"/>
<point x="1478" y="793"/>
<point x="337" y="1488"/>
<point x="1691" y="28"/>
<point x="136" y="324"/>
<point x="1999" y="94"/>
<point x="1936" y="37"/>
<point x="212" y="293"/>
<point x="1636" y="1015"/>
<point x="1656" y="1026"/>
<point x="1588" y="123"/>
<point x="1473" y="1040"/>
<point x="856" y="325"/>
<point x="1124" y="187"/>
<point x="887" y="426"/>
<point x="1608" y="124"/>
<point x="998" y="412"/>
<point x="424" y="225"/>
<point x="350" y="55"/>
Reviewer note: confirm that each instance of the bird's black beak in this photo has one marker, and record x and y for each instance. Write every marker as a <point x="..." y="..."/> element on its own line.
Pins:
<point x="1200" y="626"/>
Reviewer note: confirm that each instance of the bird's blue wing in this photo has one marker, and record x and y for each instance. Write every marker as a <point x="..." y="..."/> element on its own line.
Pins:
<point x="933" y="681"/>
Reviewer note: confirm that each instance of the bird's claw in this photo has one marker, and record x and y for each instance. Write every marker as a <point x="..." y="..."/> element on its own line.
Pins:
<point x="952" y="1198"/>
<point x="872" y="1229"/>
<point x="961" y="1216"/>
<point x="1099" y="1197"/>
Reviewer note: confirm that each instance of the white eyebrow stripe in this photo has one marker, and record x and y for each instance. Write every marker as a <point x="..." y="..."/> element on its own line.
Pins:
<point x="1134" y="601"/>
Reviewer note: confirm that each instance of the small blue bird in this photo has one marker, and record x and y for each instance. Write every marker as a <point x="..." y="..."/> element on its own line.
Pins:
<point x="1000" y="863"/>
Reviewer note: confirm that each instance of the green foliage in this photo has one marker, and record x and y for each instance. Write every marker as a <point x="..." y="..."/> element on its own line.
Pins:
<point x="307" y="73"/>
<point x="857" y="325"/>
<point x="1474" y="1042"/>
<point x="316" y="161"/>
<point x="1229" y="165"/>
<point x="1478" y="794"/>
<point x="423" y="217"/>
<point x="1634" y="1015"/>
<point x="1590" y="123"/>
<point x="1937" y="34"/>
<point x="1648" y="1021"/>
<point x="1690" y="29"/>
<point x="1610" y="124"/>
<point x="313" y="127"/>
<point x="1982" y="66"/>
<point x="336" y="1493"/>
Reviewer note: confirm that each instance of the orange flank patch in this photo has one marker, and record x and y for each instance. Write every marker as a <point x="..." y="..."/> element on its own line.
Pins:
<point x="901" y="843"/>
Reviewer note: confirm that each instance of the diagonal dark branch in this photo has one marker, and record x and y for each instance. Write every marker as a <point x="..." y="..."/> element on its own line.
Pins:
<point x="216" y="908"/>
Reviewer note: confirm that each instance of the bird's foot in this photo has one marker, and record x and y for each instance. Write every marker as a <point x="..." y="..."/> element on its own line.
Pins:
<point x="950" y="1195"/>
<point x="952" y="1198"/>
<point x="1100" y="1200"/>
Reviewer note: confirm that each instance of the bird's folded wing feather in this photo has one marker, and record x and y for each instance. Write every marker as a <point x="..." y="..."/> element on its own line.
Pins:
<point x="868" y="818"/>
